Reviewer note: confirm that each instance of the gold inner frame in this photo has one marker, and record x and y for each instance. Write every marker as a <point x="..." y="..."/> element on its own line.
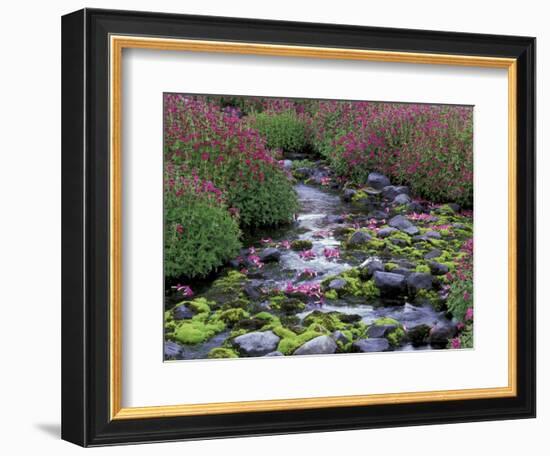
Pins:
<point x="117" y="44"/>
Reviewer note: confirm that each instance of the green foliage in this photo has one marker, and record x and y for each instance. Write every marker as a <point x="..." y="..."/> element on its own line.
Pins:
<point x="460" y="297"/>
<point x="284" y="130"/>
<point x="199" y="233"/>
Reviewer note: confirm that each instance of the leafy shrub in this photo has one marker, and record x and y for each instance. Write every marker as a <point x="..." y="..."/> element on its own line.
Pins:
<point x="199" y="232"/>
<point x="460" y="300"/>
<point x="284" y="130"/>
<point x="220" y="147"/>
<point x="429" y="148"/>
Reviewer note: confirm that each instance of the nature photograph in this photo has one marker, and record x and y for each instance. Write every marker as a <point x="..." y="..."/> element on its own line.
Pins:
<point x="300" y="227"/>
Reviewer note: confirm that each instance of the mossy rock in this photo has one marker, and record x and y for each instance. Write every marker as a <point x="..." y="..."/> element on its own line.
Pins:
<point x="285" y="304"/>
<point x="219" y="353"/>
<point x="396" y="336"/>
<point x="196" y="331"/>
<point x="290" y="341"/>
<point x="301" y="244"/>
<point x="231" y="316"/>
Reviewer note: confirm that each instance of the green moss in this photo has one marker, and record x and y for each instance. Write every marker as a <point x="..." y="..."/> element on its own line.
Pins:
<point x="422" y="268"/>
<point x="290" y="341"/>
<point x="196" y="331"/>
<point x="231" y="316"/>
<point x="219" y="352"/>
<point x="386" y="321"/>
<point x="396" y="336"/>
<point x="431" y="296"/>
<point x="331" y="294"/>
<point x="360" y="195"/>
<point x="328" y="321"/>
<point x="199" y="305"/>
<point x="390" y="266"/>
<point x="286" y="304"/>
<point x="400" y="235"/>
<point x="301" y="244"/>
<point x="375" y="244"/>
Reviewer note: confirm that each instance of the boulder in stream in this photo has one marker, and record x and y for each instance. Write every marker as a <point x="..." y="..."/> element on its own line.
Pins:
<point x="371" y="345"/>
<point x="377" y="181"/>
<point x="389" y="283"/>
<point x="322" y="345"/>
<point x="257" y="343"/>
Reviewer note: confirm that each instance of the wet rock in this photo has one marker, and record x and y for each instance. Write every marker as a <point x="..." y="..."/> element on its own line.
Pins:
<point x="389" y="283"/>
<point x="433" y="234"/>
<point x="401" y="199"/>
<point x="433" y="254"/>
<point x="402" y="271"/>
<point x="399" y="242"/>
<point x="253" y="290"/>
<point x="287" y="164"/>
<point x="182" y="312"/>
<point x="321" y="345"/>
<point x="371" y="345"/>
<point x="391" y="191"/>
<point x="438" y="268"/>
<point x="403" y="224"/>
<point x="172" y="350"/>
<point x="339" y="336"/>
<point x="370" y="267"/>
<point x="455" y="207"/>
<point x="337" y="284"/>
<point x="335" y="219"/>
<point x="269" y="255"/>
<point x="348" y="195"/>
<point x="387" y="231"/>
<point x="350" y="318"/>
<point x="441" y="333"/>
<point x="376" y="331"/>
<point x="418" y="335"/>
<point x="303" y="172"/>
<point x="377" y="181"/>
<point x="419" y="281"/>
<point x="256" y="343"/>
<point x="358" y="239"/>
<point x="415" y="206"/>
<point x="372" y="191"/>
<point x="459" y="226"/>
<point x="275" y="353"/>
<point x="377" y="214"/>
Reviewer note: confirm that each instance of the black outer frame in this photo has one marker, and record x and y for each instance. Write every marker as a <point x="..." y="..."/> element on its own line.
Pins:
<point x="85" y="227"/>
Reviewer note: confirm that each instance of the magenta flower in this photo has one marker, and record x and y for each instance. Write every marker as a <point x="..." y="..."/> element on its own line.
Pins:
<point x="255" y="260"/>
<point x="308" y="272"/>
<point x="469" y="314"/>
<point x="266" y="241"/>
<point x="331" y="253"/>
<point x="285" y="244"/>
<point x="185" y="290"/>
<point x="455" y="343"/>
<point x="460" y="326"/>
<point x="307" y="255"/>
<point x="466" y="296"/>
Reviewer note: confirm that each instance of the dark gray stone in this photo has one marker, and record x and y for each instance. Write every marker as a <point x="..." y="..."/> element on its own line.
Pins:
<point x="252" y="290"/>
<point x="433" y="234"/>
<point x="335" y="219"/>
<point x="389" y="283"/>
<point x="415" y="206"/>
<point x="322" y="345"/>
<point x="433" y="254"/>
<point x="370" y="267"/>
<point x="391" y="191"/>
<point x="419" y="281"/>
<point x="270" y="254"/>
<point x="375" y="331"/>
<point x="348" y="195"/>
<point x="172" y="350"/>
<point x="385" y="232"/>
<point x="402" y="223"/>
<point x="377" y="214"/>
<point x="182" y="312"/>
<point x="441" y="333"/>
<point x="337" y="284"/>
<point x="275" y="353"/>
<point x="371" y="345"/>
<point x="377" y="181"/>
<point x="403" y="198"/>
<point x="358" y="238"/>
<point x="418" y="335"/>
<point x="257" y="343"/>
<point x="438" y="268"/>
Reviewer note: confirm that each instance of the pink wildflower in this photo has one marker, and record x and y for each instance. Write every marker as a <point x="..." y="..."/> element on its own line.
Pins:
<point x="185" y="290"/>
<point x="455" y="343"/>
<point x="469" y="314"/>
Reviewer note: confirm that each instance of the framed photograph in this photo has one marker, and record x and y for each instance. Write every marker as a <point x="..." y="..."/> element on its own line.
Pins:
<point x="279" y="227"/>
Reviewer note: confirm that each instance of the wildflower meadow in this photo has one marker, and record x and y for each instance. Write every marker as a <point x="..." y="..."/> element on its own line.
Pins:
<point x="298" y="226"/>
